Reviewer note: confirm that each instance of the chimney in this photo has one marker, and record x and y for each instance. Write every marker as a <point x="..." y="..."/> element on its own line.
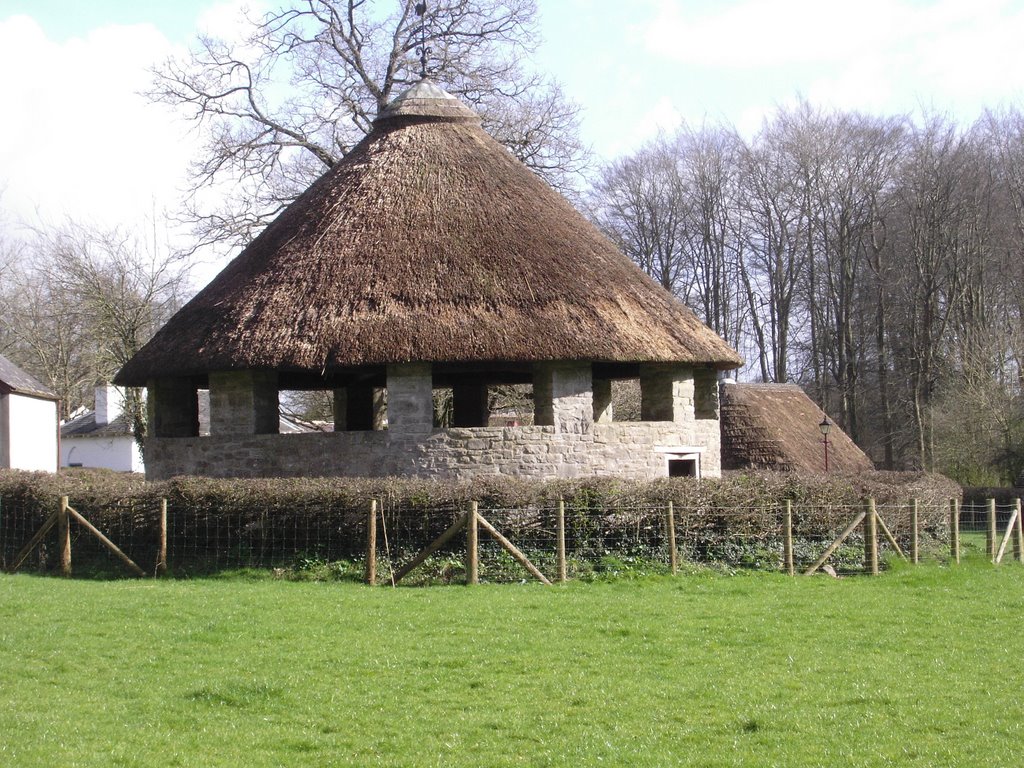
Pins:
<point x="109" y="403"/>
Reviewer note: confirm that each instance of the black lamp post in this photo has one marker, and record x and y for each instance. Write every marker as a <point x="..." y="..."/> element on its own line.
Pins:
<point x="825" y="426"/>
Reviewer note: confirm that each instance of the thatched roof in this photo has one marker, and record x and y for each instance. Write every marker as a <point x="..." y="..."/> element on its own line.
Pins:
<point x="775" y="426"/>
<point x="430" y="242"/>
<point x="14" y="380"/>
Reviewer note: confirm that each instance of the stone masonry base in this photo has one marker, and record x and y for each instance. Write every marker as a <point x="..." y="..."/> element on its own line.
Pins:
<point x="626" y="449"/>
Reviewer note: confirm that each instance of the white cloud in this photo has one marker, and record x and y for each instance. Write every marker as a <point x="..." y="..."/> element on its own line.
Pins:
<point x="662" y="117"/>
<point x="79" y="139"/>
<point x="875" y="55"/>
<point x="228" y="20"/>
<point x="756" y="33"/>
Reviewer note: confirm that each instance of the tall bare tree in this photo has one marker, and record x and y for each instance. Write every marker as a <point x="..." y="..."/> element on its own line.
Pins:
<point x="774" y="207"/>
<point x="880" y="261"/>
<point x="714" y="232"/>
<point x="285" y="104"/>
<point x="642" y="203"/>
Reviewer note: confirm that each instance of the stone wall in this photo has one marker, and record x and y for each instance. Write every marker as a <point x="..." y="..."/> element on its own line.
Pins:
<point x="625" y="449"/>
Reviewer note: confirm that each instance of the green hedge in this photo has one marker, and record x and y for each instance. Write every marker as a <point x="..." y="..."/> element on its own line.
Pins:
<point x="97" y="488"/>
<point x="236" y="523"/>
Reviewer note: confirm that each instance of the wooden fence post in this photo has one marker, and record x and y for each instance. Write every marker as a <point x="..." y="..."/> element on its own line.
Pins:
<point x="914" y="531"/>
<point x="990" y="531"/>
<point x="871" y="539"/>
<point x="954" y="530"/>
<point x="787" y="538"/>
<point x="673" y="553"/>
<point x="64" y="538"/>
<point x="161" y="552"/>
<point x="1018" y="539"/>
<point x="562" y="574"/>
<point x="371" y="545"/>
<point x="472" y="554"/>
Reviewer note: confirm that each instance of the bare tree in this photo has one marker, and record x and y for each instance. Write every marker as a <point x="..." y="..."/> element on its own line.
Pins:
<point x="931" y="212"/>
<point x="774" y="207"/>
<point x="46" y="336"/>
<point x="881" y="264"/>
<point x="714" y="243"/>
<point x="641" y="204"/>
<point x="289" y="101"/>
<point x="85" y="301"/>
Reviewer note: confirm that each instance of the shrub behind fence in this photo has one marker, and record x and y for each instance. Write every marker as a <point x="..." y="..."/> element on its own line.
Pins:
<point x="321" y="525"/>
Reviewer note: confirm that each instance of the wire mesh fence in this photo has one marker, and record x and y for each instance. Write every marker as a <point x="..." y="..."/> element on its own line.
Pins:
<point x="989" y="528"/>
<point x="321" y="540"/>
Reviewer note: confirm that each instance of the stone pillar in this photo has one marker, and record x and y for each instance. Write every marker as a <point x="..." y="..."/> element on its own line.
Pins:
<point x="244" y="403"/>
<point x="379" y="405"/>
<point x="359" y="408"/>
<point x="469" y="405"/>
<point x="340" y="410"/>
<point x="172" y="408"/>
<point x="666" y="392"/>
<point x="562" y="396"/>
<point x="705" y="393"/>
<point x="603" y="401"/>
<point x="410" y="398"/>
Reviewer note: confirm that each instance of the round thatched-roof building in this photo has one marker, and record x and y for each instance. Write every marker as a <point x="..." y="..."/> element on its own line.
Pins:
<point x="431" y="258"/>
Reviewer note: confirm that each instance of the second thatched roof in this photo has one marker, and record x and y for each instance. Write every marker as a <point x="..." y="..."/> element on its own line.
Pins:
<point x="428" y="242"/>
<point x="775" y="426"/>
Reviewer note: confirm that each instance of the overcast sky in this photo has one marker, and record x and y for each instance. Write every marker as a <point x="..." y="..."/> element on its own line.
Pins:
<point x="77" y="140"/>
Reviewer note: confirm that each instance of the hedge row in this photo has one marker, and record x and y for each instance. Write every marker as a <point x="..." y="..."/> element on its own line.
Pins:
<point x="735" y="491"/>
<point x="272" y="522"/>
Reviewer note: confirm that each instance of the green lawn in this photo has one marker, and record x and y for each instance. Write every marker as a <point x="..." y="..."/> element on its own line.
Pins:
<point x="916" y="667"/>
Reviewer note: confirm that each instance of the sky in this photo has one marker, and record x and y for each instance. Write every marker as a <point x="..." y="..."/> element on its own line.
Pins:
<point x="79" y="141"/>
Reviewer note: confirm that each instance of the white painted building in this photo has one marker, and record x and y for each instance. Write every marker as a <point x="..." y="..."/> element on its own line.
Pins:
<point x="101" y="438"/>
<point x="28" y="421"/>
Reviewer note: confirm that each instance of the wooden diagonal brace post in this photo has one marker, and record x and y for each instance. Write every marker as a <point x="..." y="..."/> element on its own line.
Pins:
<point x="435" y="545"/>
<point x="511" y="548"/>
<point x="1011" y="530"/>
<point x="889" y="537"/>
<point x="64" y="538"/>
<point x="107" y="543"/>
<point x="835" y="544"/>
<point x="34" y="541"/>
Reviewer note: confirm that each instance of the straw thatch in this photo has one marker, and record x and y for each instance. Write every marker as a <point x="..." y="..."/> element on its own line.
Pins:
<point x="428" y="242"/>
<point x="775" y="426"/>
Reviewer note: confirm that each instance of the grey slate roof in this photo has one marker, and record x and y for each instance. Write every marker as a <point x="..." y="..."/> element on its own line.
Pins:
<point x="13" y="379"/>
<point x="86" y="426"/>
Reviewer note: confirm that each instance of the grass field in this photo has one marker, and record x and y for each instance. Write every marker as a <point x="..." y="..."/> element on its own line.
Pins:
<point x="919" y="667"/>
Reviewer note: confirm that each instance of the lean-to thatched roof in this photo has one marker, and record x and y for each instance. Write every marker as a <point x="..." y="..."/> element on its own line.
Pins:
<point x="775" y="426"/>
<point x="428" y="242"/>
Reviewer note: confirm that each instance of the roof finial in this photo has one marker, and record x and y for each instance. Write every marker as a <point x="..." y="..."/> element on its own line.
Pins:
<point x="422" y="49"/>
